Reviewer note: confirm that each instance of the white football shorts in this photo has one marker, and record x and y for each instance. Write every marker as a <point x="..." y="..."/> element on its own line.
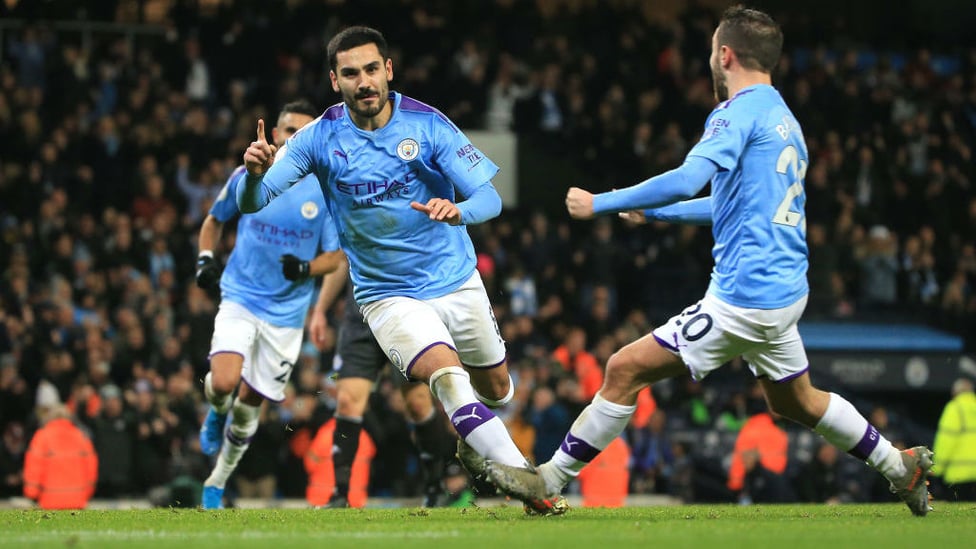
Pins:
<point x="710" y="333"/>
<point x="269" y="351"/>
<point x="405" y="327"/>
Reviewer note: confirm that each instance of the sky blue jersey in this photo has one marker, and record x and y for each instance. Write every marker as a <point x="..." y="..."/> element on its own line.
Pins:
<point x="369" y="179"/>
<point x="297" y="224"/>
<point x="757" y="201"/>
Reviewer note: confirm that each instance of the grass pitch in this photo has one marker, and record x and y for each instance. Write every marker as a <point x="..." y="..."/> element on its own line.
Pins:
<point x="504" y="527"/>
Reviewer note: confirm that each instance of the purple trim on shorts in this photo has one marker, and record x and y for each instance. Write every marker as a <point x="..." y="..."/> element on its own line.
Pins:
<point x="469" y="417"/>
<point x="867" y="444"/>
<point x="665" y="344"/>
<point x="406" y="372"/>
<point x="674" y="349"/>
<point x="260" y="394"/>
<point x="578" y="448"/>
<point x="228" y="352"/>
<point x="791" y="377"/>
<point x="489" y="366"/>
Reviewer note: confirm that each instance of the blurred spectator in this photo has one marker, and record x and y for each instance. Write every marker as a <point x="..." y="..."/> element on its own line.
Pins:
<point x="575" y="359"/>
<point x="879" y="269"/>
<point x="321" y="476"/>
<point x="550" y="419"/>
<point x="521" y="290"/>
<point x="60" y="466"/>
<point x="153" y="430"/>
<point x="759" y="461"/>
<point x="113" y="434"/>
<point x="12" y="460"/>
<point x="457" y="487"/>
<point x="955" y="441"/>
<point x="604" y="481"/>
<point x="652" y="457"/>
<point x="761" y="484"/>
<point x="820" y="481"/>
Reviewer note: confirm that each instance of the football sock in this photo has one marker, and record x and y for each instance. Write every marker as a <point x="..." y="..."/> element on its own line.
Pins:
<point x="243" y="425"/>
<point x="595" y="428"/>
<point x="472" y="420"/>
<point x="345" y="444"/>
<point x="220" y="403"/>
<point x="491" y="403"/>
<point x="844" y="427"/>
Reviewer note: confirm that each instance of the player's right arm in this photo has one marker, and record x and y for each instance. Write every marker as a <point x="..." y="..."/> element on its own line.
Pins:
<point x="223" y="210"/>
<point x="208" y="272"/>
<point x="268" y="176"/>
<point x="665" y="189"/>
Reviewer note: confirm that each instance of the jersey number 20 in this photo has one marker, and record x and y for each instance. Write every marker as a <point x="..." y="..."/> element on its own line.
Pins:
<point x="790" y="158"/>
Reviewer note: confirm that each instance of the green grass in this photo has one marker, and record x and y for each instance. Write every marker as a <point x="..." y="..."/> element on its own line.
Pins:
<point x="720" y="526"/>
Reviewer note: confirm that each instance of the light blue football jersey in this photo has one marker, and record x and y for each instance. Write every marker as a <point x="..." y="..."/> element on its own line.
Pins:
<point x="369" y="179"/>
<point x="758" y="197"/>
<point x="298" y="223"/>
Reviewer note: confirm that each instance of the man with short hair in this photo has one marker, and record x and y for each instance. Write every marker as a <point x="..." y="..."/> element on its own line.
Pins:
<point x="266" y="290"/>
<point x="391" y="169"/>
<point x="754" y="154"/>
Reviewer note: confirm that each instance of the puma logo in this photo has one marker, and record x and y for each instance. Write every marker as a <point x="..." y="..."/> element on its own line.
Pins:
<point x="456" y="420"/>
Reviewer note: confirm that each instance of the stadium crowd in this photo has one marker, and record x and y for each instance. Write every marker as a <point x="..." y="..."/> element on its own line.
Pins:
<point x="117" y="142"/>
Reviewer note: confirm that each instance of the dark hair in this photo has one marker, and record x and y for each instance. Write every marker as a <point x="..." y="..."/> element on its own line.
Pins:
<point x="354" y="37"/>
<point x="755" y="38"/>
<point x="301" y="106"/>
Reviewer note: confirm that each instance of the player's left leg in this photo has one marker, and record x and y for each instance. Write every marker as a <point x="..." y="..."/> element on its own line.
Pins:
<point x="417" y="341"/>
<point x="629" y="370"/>
<point x="782" y="367"/>
<point x="431" y="437"/>
<point x="235" y="331"/>
<point x="265" y="374"/>
<point x="241" y="428"/>
<point x="218" y="388"/>
<point x="838" y="421"/>
<point x="694" y="337"/>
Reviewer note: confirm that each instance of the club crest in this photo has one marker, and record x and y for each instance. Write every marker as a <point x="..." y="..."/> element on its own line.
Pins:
<point x="408" y="149"/>
<point x="310" y="210"/>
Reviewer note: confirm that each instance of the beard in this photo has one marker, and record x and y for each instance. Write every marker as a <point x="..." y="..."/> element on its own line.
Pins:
<point x="366" y="111"/>
<point x="719" y="84"/>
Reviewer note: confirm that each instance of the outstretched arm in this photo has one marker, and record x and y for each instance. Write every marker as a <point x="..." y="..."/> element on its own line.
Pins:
<point x="697" y="211"/>
<point x="670" y="187"/>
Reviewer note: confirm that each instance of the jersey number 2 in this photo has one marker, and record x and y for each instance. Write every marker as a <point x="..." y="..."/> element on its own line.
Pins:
<point x="790" y="158"/>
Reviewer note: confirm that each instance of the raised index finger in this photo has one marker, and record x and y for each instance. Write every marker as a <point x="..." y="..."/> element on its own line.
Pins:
<point x="261" y="138"/>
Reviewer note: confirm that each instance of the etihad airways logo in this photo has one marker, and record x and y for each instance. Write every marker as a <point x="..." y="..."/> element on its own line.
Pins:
<point x="371" y="193"/>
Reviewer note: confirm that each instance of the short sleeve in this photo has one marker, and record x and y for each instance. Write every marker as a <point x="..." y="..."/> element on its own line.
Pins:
<point x="461" y="162"/>
<point x="724" y="137"/>
<point x="225" y="206"/>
